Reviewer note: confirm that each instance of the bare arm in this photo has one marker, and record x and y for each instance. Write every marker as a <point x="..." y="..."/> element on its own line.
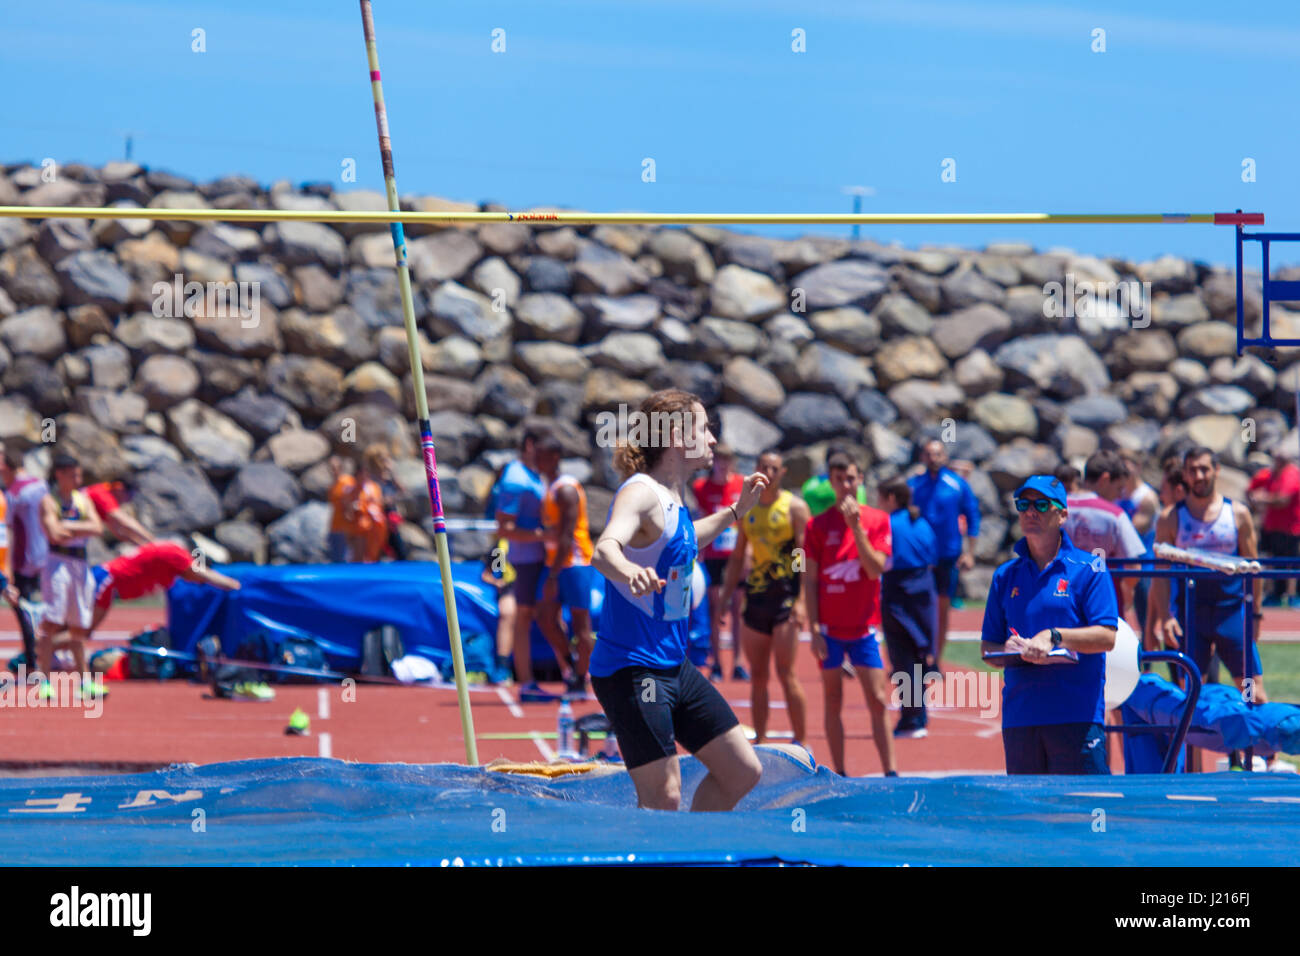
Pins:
<point x="508" y="529"/>
<point x="51" y="523"/>
<point x="1146" y="514"/>
<point x="710" y="526"/>
<point x="629" y="523"/>
<point x="1160" y="625"/>
<point x="735" y="565"/>
<point x="872" y="561"/>
<point x="1248" y="545"/>
<point x="123" y="526"/>
<point x="567" y="498"/>
<point x="214" y="578"/>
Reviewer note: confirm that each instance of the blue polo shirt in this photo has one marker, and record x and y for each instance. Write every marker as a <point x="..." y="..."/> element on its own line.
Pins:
<point x="519" y="493"/>
<point x="915" y="545"/>
<point x="1066" y="593"/>
<point x="941" y="500"/>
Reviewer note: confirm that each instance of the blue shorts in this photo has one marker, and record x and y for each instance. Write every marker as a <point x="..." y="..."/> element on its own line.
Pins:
<point x="1223" y="635"/>
<point x="103" y="581"/>
<point x="945" y="578"/>
<point x="575" y="586"/>
<point x="864" y="652"/>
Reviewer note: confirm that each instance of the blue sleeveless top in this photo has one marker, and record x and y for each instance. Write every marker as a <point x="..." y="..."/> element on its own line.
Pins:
<point x="652" y="630"/>
<point x="1219" y="594"/>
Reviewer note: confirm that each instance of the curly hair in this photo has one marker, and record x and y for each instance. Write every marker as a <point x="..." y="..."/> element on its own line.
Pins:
<point x="663" y="408"/>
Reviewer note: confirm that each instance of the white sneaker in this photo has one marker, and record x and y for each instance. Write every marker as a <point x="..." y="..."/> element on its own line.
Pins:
<point x="1281" y="766"/>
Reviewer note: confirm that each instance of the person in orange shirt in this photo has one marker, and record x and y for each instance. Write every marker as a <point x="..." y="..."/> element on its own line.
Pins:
<point x="566" y="580"/>
<point x="359" y="507"/>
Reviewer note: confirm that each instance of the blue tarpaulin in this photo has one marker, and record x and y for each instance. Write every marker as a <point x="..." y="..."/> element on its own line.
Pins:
<point x="338" y="603"/>
<point x="314" y="811"/>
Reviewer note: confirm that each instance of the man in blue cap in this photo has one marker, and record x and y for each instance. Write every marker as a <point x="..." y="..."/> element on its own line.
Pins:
<point x="1050" y="606"/>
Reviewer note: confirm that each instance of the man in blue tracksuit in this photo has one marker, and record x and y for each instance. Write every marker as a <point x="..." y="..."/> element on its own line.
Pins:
<point x="945" y="498"/>
<point x="909" y="605"/>
<point x="1050" y="598"/>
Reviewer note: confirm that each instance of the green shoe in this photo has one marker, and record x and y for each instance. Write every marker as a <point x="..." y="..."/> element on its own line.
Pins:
<point x="46" y="691"/>
<point x="93" y="687"/>
<point x="249" y="690"/>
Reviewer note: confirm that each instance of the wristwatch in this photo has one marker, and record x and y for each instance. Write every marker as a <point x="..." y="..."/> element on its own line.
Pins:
<point x="1056" y="637"/>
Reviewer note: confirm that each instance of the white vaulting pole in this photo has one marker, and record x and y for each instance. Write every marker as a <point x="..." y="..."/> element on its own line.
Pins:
<point x="421" y="399"/>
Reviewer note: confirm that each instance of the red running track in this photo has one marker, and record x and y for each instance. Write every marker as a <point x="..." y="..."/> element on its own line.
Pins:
<point x="146" y="722"/>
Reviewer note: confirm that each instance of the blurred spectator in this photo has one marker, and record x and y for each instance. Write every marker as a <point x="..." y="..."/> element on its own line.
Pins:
<point x="1173" y="487"/>
<point x="342" y="481"/>
<point x="28" y="546"/>
<point x="1097" y="525"/>
<point x="817" y="492"/>
<point x="715" y="491"/>
<point x="1275" y="495"/>
<point x="1141" y="503"/>
<point x="108" y="497"/>
<point x="358" y="503"/>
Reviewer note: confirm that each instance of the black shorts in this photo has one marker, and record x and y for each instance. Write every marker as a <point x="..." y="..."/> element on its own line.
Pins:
<point x="524" y="587"/>
<point x="1278" y="544"/>
<point x="716" y="568"/>
<point x="650" y="708"/>
<point x="773" y="605"/>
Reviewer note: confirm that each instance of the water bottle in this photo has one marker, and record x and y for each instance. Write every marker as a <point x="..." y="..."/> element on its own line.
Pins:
<point x="564" y="733"/>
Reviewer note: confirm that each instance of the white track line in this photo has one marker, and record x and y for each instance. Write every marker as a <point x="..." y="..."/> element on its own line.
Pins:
<point x="326" y="750"/>
<point x="323" y="703"/>
<point x="1098" y="793"/>
<point x="547" y="753"/>
<point x="515" y="709"/>
<point x="1191" y="797"/>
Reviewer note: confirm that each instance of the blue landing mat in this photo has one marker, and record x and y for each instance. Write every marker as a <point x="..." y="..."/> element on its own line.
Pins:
<point x="307" y="811"/>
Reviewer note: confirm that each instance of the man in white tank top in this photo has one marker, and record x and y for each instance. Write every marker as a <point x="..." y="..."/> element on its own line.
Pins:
<point x="1207" y="521"/>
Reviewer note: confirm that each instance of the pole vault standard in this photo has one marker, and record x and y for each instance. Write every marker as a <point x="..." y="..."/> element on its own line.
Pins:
<point x="564" y="217"/>
<point x="421" y="399"/>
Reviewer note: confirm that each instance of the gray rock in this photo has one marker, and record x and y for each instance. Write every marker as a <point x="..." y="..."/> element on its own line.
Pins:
<point x="788" y="327"/>
<point x="300" y="536"/>
<point x="243" y="539"/>
<point x="921" y="402"/>
<point x="458" y="310"/>
<point x="30" y="376"/>
<point x="166" y="380"/>
<point x="444" y="255"/>
<point x="887" y="447"/>
<point x="550" y="361"/>
<point x="142" y="451"/>
<point x="836" y="284"/>
<point x="505" y="392"/>
<point x="967" y="287"/>
<point x="13" y="233"/>
<point x="1168" y="274"/>
<point x="1074" y="443"/>
<point x="110" y="365"/>
<point x="94" y="277"/>
<point x="375" y="296"/>
<point x="631" y="353"/>
<point x="605" y="390"/>
<point x="930" y="261"/>
<point x="545" y="274"/>
<point x="221" y="375"/>
<point x="311" y="385"/>
<point x="633" y="313"/>
<point x="18" y="421"/>
<point x="754" y="253"/>
<point x="443" y="394"/>
<point x="748" y="433"/>
<point x="56" y="239"/>
<point x="264" y="489"/>
<point x="457" y="437"/>
<point x="1001" y="269"/>
<point x="822" y="368"/>
<point x="1179" y="310"/>
<point x="1149" y="394"/>
<point x="256" y="336"/>
<point x="719" y="339"/>
<point x="747" y="383"/>
<point x="317" y="290"/>
<point x="870" y="406"/>
<point x="782" y="360"/>
<point x="209" y="437"/>
<point x="454" y="355"/>
<point x="616" y="276"/>
<point x="227" y="242"/>
<point x="37" y="332"/>
<point x="1208" y="341"/>
<point x="549" y="315"/>
<point x="560" y="399"/>
<point x="272" y="287"/>
<point x="341" y="337"/>
<point x="175" y="498"/>
<point x="1027" y="308"/>
<point x="850" y="329"/>
<point x="1143" y="350"/>
<point x="1005" y="416"/>
<point x="965" y="440"/>
<point x="497" y="281"/>
<point x="977" y="373"/>
<point x="1062" y="365"/>
<point x="1095" y="411"/>
<point x="980" y="326"/>
<point x="899" y="315"/>
<point x="1216" y="400"/>
<point x="1188" y="372"/>
<point x="1247" y="372"/>
<point x="908" y="358"/>
<point x="147" y="334"/>
<point x="259" y="415"/>
<point x="683" y="256"/>
<point x="808" y="417"/>
<point x="740" y="293"/>
<point x="297" y="243"/>
<point x="922" y="288"/>
<point x="1015" y="462"/>
<point x="356" y="427"/>
<point x="695" y="377"/>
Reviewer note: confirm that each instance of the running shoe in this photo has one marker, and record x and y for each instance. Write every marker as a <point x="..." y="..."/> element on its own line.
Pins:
<point x="910" y="733"/>
<point x="716" y="675"/>
<point x="46" y="691"/>
<point x="251" y="690"/>
<point x="532" y="693"/>
<point x="739" y="673"/>
<point x="93" y="687"/>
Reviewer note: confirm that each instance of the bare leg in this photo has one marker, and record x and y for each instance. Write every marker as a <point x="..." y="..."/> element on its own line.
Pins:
<point x="45" y="647"/>
<point x="77" y="637"/>
<point x="523" y="651"/>
<point x="785" y="642"/>
<point x="658" y="784"/>
<point x="505" y="622"/>
<point x="833" y="694"/>
<point x="551" y="622"/>
<point x="734" y="770"/>
<point x="581" y="621"/>
<point x="758" y="650"/>
<point x="874" y="687"/>
<point x="715" y="625"/>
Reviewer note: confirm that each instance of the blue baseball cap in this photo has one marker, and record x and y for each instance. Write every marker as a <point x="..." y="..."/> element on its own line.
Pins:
<point x="1047" y="486"/>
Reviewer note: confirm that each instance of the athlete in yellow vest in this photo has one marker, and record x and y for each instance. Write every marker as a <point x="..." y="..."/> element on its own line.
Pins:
<point x="566" y="580"/>
<point x="773" y="616"/>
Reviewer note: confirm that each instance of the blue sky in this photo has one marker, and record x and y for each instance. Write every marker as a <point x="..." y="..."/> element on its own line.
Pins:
<point x="711" y="90"/>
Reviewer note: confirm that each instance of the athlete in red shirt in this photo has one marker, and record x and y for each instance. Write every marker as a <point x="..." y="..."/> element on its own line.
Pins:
<point x="847" y="547"/>
<point x="108" y="498"/>
<point x="1276" y="493"/>
<point x="718" y="490"/>
<point x="154" y="567"/>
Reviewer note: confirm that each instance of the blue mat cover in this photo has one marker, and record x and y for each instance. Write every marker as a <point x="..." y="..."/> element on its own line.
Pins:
<point x="310" y="811"/>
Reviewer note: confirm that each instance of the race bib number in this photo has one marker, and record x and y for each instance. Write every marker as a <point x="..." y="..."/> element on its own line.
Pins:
<point x="677" y="593"/>
<point x="727" y="540"/>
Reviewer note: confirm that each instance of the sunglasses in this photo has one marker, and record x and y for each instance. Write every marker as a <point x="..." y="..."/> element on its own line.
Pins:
<point x="1041" y="505"/>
